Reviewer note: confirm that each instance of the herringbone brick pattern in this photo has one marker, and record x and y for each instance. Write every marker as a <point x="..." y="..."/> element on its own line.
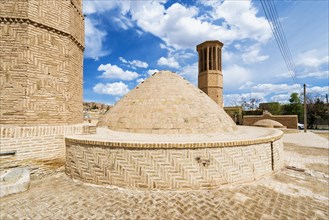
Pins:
<point x="171" y="168"/>
<point x="41" y="62"/>
<point x="166" y="103"/>
<point x="288" y="194"/>
<point x="58" y="197"/>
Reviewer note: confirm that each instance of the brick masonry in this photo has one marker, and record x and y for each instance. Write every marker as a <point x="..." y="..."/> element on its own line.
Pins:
<point x="210" y="77"/>
<point x="290" y="121"/>
<point x="36" y="142"/>
<point x="171" y="168"/>
<point x="42" y="43"/>
<point x="166" y="103"/>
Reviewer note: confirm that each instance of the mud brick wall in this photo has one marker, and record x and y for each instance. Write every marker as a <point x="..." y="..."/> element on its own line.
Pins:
<point x="290" y="121"/>
<point x="41" y="53"/>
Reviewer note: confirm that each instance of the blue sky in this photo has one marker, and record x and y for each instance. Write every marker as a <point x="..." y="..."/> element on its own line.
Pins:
<point x="126" y="41"/>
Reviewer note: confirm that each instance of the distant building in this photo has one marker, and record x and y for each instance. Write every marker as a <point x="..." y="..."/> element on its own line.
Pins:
<point x="290" y="121"/>
<point x="235" y="112"/>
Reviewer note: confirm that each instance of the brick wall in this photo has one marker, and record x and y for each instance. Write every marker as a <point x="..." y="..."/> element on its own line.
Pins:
<point x="36" y="142"/>
<point x="290" y="121"/>
<point x="171" y="168"/>
<point x="41" y="53"/>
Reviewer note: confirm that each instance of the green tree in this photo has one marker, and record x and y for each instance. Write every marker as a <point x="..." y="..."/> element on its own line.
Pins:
<point x="274" y="108"/>
<point x="316" y="109"/>
<point x="294" y="107"/>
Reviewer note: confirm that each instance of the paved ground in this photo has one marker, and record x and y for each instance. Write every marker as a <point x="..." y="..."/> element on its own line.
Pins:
<point x="309" y="139"/>
<point x="299" y="191"/>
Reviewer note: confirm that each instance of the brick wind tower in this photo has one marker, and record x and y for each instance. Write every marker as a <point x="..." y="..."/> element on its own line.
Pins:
<point x="41" y="54"/>
<point x="41" y="60"/>
<point x="210" y="77"/>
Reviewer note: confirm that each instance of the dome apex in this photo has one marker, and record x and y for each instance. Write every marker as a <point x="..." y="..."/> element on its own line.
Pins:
<point x="166" y="103"/>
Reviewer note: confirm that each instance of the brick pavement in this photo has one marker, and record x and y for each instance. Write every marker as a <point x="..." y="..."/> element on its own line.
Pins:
<point x="289" y="194"/>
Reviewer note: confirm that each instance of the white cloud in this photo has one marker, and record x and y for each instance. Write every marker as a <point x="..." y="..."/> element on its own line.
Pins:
<point x="152" y="71"/>
<point x="284" y="75"/>
<point x="276" y="88"/>
<point x="312" y="58"/>
<point x="95" y="6"/>
<point x="115" y="89"/>
<point x="307" y="74"/>
<point x="134" y="63"/>
<point x="246" y="85"/>
<point x="310" y="65"/>
<point x="181" y="27"/>
<point x="282" y="98"/>
<point x="170" y="62"/>
<point x="238" y="46"/>
<point x="169" y="48"/>
<point x="190" y="72"/>
<point x="123" y="22"/>
<point x="241" y="16"/>
<point x="252" y="55"/>
<point x="140" y="80"/>
<point x="181" y="55"/>
<point x="228" y="57"/>
<point x="232" y="100"/>
<point x="239" y="99"/>
<point x="115" y="72"/>
<point x="94" y="39"/>
<point x="320" y="90"/>
<point x="318" y="75"/>
<point x="235" y="75"/>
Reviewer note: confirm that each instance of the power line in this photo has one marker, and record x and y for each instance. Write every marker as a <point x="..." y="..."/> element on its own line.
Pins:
<point x="276" y="27"/>
<point x="284" y="36"/>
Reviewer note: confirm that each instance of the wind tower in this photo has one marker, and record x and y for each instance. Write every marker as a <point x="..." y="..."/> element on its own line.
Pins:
<point x="42" y="44"/>
<point x="210" y="77"/>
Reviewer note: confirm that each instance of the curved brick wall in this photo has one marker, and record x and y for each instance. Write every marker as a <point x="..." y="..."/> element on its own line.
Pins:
<point x="41" y="53"/>
<point x="165" y="166"/>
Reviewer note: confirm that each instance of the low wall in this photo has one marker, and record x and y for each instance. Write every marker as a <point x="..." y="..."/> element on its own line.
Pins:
<point x="290" y="121"/>
<point x="24" y="145"/>
<point x="171" y="168"/>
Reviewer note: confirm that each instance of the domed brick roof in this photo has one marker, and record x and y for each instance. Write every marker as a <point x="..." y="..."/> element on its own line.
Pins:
<point x="268" y="123"/>
<point x="166" y="103"/>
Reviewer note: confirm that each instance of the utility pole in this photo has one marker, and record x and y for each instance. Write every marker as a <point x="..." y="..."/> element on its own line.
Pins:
<point x="305" y="113"/>
<point x="327" y="98"/>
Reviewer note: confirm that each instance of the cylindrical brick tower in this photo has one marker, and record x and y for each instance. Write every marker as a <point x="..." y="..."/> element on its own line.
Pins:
<point x="41" y="58"/>
<point x="210" y="77"/>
